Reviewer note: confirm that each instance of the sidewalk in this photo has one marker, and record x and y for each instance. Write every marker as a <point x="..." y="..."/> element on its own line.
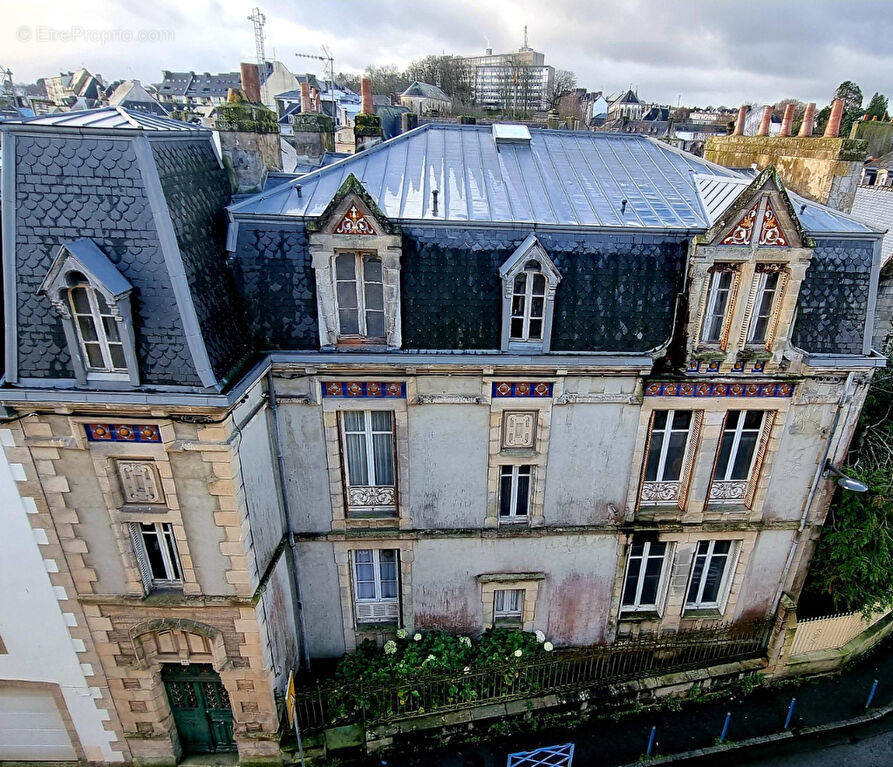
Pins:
<point x="609" y="743"/>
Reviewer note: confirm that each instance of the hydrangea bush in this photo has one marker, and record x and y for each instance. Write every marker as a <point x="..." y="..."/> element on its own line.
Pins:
<point x="412" y="659"/>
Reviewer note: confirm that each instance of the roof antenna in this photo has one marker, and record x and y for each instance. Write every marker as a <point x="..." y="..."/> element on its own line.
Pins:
<point x="623" y="206"/>
<point x="434" y="194"/>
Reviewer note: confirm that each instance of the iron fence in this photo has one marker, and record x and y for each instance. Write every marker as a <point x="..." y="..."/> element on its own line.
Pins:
<point x="323" y="705"/>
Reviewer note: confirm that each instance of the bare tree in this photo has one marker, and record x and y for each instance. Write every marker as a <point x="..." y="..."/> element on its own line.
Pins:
<point x="562" y="84"/>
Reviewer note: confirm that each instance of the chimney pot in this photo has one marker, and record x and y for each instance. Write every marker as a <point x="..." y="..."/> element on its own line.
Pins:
<point x="832" y="129"/>
<point x="787" y="120"/>
<point x="305" y="97"/>
<point x="368" y="106"/>
<point x="765" y="122"/>
<point x="808" y="120"/>
<point x="250" y="82"/>
<point x="739" y="122"/>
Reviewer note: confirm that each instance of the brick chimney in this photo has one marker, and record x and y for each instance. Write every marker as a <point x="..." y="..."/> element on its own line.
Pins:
<point x="765" y="122"/>
<point x="250" y="82"/>
<point x="305" y="98"/>
<point x="366" y="125"/>
<point x="808" y="120"/>
<point x="739" y="122"/>
<point x="787" y="121"/>
<point x="832" y="129"/>
<point x="368" y="104"/>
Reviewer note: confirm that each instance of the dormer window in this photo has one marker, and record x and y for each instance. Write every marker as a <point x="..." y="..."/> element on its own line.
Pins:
<point x="359" y="291"/>
<point x="93" y="300"/>
<point x="529" y="280"/>
<point x="528" y="304"/>
<point x="766" y="289"/>
<point x="96" y="328"/>
<point x="718" y="297"/>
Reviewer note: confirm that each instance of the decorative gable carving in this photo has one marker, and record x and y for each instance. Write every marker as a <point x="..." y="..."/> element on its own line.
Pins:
<point x="771" y="234"/>
<point x="742" y="232"/>
<point x="354" y="222"/>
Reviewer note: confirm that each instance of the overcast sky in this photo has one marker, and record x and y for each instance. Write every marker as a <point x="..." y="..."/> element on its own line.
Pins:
<point x="706" y="51"/>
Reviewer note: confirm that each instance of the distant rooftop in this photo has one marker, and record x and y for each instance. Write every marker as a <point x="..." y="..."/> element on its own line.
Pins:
<point x="425" y="91"/>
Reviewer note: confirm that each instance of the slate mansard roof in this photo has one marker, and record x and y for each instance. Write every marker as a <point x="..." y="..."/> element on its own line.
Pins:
<point x="149" y="194"/>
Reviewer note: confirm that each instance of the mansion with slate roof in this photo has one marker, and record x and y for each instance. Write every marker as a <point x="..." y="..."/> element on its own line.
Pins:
<point x="579" y="383"/>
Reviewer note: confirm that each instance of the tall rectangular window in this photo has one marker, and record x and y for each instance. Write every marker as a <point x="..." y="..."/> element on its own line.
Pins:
<point x="644" y="576"/>
<point x="508" y="606"/>
<point x="514" y="492"/>
<point x="376" y="584"/>
<point x="156" y="553"/>
<point x="369" y="457"/>
<point x="710" y="573"/>
<point x="97" y="331"/>
<point x="737" y="450"/>
<point x="664" y="463"/>
<point x="359" y="291"/>
<point x="717" y="306"/>
<point x="762" y="309"/>
<point x="528" y="304"/>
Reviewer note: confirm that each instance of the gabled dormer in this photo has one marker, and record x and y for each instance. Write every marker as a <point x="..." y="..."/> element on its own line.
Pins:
<point x="92" y="298"/>
<point x="744" y="278"/>
<point x="356" y="257"/>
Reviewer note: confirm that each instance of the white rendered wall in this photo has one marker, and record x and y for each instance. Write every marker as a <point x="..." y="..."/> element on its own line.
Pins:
<point x="34" y="630"/>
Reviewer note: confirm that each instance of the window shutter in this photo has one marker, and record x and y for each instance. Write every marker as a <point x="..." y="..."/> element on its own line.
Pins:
<point x="142" y="559"/>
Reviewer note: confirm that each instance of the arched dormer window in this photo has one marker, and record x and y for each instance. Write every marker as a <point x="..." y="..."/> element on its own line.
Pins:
<point x="96" y="327"/>
<point x="92" y="299"/>
<point x="529" y="279"/>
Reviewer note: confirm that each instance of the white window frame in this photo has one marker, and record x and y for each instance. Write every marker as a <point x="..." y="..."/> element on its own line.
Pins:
<point x="756" y="316"/>
<point x="372" y="496"/>
<point x="738" y="430"/>
<point x="377" y="609"/>
<point x="170" y="554"/>
<point x="530" y="273"/>
<point x="514" y="471"/>
<point x="660" y="490"/>
<point x="359" y="282"/>
<point x="528" y="251"/>
<point x="512" y="609"/>
<point x="660" y="594"/>
<point x="713" y="292"/>
<point x="109" y="371"/>
<point x="731" y="561"/>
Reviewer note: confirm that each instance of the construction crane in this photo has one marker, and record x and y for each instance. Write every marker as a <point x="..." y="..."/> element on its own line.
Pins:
<point x="258" y="19"/>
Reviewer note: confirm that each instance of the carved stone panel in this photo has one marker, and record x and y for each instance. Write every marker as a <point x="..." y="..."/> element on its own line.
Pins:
<point x="518" y="429"/>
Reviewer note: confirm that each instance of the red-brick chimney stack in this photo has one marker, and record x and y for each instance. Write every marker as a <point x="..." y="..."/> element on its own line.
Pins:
<point x="250" y="82"/>
<point x="832" y="129"/>
<point x="765" y="122"/>
<point x="787" y="121"/>
<point x="808" y="120"/>
<point x="305" y="98"/>
<point x="368" y="107"/>
<point x="739" y="122"/>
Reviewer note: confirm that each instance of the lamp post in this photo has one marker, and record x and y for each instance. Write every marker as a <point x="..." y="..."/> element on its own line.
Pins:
<point x="847" y="483"/>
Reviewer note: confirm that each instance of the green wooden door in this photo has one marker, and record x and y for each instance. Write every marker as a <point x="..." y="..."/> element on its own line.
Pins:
<point x="200" y="707"/>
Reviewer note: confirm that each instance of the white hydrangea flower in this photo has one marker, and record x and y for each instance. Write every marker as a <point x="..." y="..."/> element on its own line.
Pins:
<point x="401" y="634"/>
<point x="467" y="669"/>
<point x="548" y="647"/>
<point x="540" y="636"/>
<point x="390" y="647"/>
<point x="518" y="653"/>
<point x="465" y="641"/>
<point x="417" y="637"/>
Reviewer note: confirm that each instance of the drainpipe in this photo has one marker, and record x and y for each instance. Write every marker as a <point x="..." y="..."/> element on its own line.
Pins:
<point x="845" y="397"/>
<point x="280" y="464"/>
